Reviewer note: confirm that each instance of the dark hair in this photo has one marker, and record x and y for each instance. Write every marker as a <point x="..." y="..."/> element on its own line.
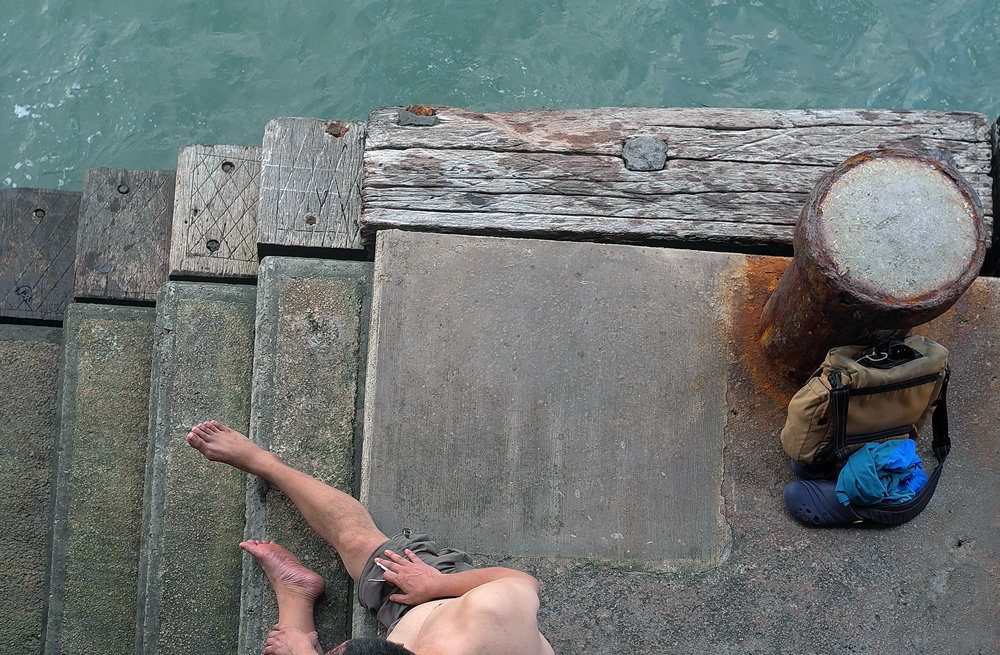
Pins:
<point x="368" y="646"/>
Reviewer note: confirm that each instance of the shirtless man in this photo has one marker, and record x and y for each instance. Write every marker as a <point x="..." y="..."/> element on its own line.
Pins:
<point x="429" y="612"/>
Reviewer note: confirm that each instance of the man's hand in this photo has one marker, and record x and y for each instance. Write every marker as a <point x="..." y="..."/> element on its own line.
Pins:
<point x="418" y="581"/>
<point x="286" y="640"/>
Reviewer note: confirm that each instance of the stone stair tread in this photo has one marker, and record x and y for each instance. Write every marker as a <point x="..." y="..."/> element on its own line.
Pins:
<point x="103" y="425"/>
<point x="194" y="510"/>
<point x="311" y="331"/>
<point x="29" y="371"/>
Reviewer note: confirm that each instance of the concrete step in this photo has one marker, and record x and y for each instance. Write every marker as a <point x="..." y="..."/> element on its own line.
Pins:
<point x="311" y="335"/>
<point x="29" y="370"/>
<point x="610" y="423"/>
<point x="103" y="425"/>
<point x="194" y="510"/>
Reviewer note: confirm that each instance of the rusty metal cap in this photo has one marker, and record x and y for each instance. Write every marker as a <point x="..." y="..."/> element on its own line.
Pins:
<point x="894" y="228"/>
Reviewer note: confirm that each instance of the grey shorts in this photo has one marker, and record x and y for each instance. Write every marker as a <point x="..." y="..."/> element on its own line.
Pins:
<point x="373" y="592"/>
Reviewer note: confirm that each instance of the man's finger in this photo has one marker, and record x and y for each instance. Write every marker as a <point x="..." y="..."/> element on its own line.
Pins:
<point x="395" y="557"/>
<point x="411" y="555"/>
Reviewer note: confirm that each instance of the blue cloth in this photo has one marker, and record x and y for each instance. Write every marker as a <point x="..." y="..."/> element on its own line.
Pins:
<point x="882" y="472"/>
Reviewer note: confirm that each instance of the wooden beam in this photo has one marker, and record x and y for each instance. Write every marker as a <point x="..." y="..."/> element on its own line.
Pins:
<point x="124" y="233"/>
<point x="540" y="172"/>
<point x="214" y="231"/>
<point x="310" y="183"/>
<point x="37" y="252"/>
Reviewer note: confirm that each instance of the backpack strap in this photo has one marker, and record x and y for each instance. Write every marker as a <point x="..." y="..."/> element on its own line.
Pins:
<point x="897" y="513"/>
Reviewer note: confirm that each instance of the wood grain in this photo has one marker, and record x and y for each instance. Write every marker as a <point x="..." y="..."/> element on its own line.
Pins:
<point x="214" y="232"/>
<point x="37" y="252"/>
<point x="124" y="233"/>
<point x="725" y="168"/>
<point x="310" y="183"/>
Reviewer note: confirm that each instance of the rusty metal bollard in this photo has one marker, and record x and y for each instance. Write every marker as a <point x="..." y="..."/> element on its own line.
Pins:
<point x="886" y="241"/>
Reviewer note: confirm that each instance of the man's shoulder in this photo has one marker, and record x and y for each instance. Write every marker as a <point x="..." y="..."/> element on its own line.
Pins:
<point x="500" y="597"/>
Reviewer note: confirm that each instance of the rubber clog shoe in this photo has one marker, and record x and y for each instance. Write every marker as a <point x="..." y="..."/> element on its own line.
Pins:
<point x="814" y="502"/>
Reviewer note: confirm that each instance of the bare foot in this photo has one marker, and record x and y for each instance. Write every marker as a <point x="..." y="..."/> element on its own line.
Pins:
<point x="219" y="443"/>
<point x="288" y="640"/>
<point x="287" y="574"/>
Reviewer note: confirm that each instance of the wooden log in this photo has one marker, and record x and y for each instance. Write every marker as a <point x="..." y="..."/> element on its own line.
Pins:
<point x="123" y="240"/>
<point x="310" y="183"/>
<point x="214" y="232"/>
<point x="598" y="228"/>
<point x="887" y="241"/>
<point x="762" y="136"/>
<point x="992" y="266"/>
<point x="37" y="252"/>
<point x="492" y="166"/>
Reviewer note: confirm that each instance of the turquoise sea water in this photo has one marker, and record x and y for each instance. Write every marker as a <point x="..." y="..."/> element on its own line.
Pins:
<point x="125" y="84"/>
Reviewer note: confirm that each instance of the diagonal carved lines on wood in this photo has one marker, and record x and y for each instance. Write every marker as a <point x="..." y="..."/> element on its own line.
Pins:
<point x="561" y="172"/>
<point x="124" y="234"/>
<point x="215" y="211"/>
<point x="310" y="184"/>
<point x="37" y="252"/>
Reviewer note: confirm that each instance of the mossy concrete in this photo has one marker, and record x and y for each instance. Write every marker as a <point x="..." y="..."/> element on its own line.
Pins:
<point x="29" y="371"/>
<point x="194" y="510"/>
<point x="310" y="342"/>
<point x="107" y="356"/>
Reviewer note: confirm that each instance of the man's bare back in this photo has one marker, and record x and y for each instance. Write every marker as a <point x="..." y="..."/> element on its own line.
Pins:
<point x="483" y="611"/>
<point x="473" y="612"/>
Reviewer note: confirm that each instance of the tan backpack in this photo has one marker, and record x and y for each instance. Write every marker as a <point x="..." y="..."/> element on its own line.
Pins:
<point x="887" y="391"/>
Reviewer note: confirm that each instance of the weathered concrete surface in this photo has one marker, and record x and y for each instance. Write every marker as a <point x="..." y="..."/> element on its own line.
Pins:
<point x="194" y="511"/>
<point x="312" y="320"/>
<point x="777" y="586"/>
<point x="566" y="387"/>
<point x="103" y="422"/>
<point x="29" y="370"/>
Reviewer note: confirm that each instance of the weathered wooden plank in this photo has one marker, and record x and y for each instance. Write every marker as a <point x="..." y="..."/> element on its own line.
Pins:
<point x="542" y="172"/>
<point x="735" y="166"/>
<point x="214" y="231"/>
<point x="123" y="238"/>
<point x="37" y="252"/>
<point x="310" y="183"/>
<point x="601" y="131"/>
<point x="778" y="208"/>
<point x="631" y="230"/>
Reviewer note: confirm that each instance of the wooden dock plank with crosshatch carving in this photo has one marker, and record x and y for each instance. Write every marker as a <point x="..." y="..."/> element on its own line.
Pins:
<point x="310" y="183"/>
<point x="123" y="238"/>
<point x="37" y="252"/>
<point x="214" y="230"/>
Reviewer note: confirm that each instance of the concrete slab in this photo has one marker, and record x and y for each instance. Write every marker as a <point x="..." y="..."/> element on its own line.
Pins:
<point x="777" y="586"/>
<point x="312" y="322"/>
<point x="29" y="370"/>
<point x="193" y="516"/>
<point x="104" y="417"/>
<point x="567" y="387"/>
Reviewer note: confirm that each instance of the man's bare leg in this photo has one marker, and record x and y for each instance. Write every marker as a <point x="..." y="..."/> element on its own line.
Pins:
<point x="337" y="518"/>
